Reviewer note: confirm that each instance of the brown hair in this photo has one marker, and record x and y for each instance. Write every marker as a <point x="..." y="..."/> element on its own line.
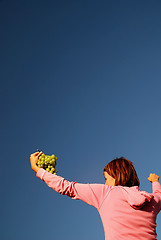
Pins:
<point x="123" y="171"/>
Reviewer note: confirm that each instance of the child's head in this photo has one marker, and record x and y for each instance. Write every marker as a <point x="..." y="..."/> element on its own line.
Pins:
<point x="123" y="171"/>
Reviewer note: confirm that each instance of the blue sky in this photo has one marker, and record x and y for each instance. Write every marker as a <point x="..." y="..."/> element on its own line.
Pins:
<point x="81" y="80"/>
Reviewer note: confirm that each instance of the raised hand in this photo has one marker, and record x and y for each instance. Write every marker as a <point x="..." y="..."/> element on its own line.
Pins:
<point x="33" y="160"/>
<point x="153" y="177"/>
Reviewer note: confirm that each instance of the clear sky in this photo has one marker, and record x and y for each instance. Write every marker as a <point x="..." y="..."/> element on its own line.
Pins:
<point x="81" y="80"/>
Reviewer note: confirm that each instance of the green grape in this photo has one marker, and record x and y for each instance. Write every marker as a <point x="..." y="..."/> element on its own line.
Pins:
<point x="47" y="162"/>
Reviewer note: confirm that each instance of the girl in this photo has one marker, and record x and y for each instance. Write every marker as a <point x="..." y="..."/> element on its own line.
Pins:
<point x="126" y="212"/>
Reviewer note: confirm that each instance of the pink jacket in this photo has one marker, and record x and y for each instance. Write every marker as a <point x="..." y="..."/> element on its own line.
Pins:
<point x="126" y="212"/>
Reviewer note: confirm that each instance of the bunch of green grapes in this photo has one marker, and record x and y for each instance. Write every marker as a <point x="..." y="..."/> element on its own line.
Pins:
<point x="47" y="162"/>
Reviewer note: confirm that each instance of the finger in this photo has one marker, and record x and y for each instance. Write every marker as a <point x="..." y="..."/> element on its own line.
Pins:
<point x="36" y="154"/>
<point x="33" y="154"/>
<point x="40" y="153"/>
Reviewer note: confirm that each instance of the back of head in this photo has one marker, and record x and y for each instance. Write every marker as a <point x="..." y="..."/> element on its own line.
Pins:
<point x="123" y="171"/>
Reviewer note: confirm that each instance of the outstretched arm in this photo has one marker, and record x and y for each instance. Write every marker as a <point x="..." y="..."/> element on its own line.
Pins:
<point x="155" y="185"/>
<point x="92" y="194"/>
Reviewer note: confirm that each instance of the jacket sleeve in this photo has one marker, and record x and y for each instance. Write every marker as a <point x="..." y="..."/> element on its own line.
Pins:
<point x="157" y="190"/>
<point x="92" y="194"/>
